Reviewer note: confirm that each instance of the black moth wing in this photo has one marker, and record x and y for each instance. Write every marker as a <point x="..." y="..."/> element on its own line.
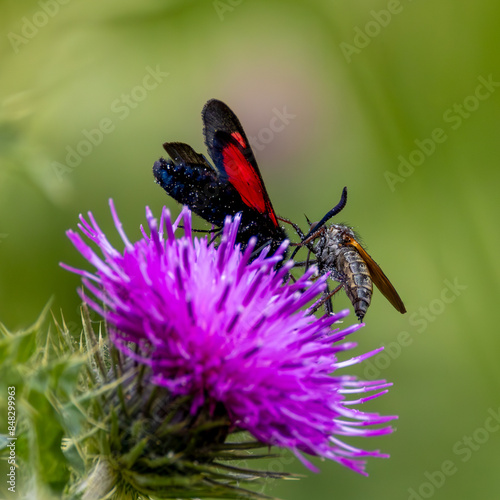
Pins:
<point x="191" y="180"/>
<point x="218" y="122"/>
<point x="214" y="193"/>
<point x="230" y="150"/>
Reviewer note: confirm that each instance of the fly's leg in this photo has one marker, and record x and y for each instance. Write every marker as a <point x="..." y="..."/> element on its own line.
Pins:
<point x="326" y="300"/>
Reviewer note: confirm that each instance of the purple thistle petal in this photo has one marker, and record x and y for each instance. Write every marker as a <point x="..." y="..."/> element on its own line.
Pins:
<point x="220" y="327"/>
<point x="119" y="226"/>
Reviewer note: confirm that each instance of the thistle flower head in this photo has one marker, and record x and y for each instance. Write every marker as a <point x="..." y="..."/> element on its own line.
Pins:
<point x="223" y="329"/>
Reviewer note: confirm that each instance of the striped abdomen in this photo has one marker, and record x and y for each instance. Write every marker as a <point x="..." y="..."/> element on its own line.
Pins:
<point x="358" y="285"/>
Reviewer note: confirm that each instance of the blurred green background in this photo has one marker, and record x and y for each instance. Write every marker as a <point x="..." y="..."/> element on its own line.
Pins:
<point x="398" y="100"/>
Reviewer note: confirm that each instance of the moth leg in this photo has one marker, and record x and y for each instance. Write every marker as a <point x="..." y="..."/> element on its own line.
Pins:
<point x="304" y="263"/>
<point x="216" y="235"/>
<point x="297" y="228"/>
<point x="201" y="230"/>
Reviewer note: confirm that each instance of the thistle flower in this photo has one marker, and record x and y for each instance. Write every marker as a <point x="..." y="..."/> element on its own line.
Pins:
<point x="224" y="330"/>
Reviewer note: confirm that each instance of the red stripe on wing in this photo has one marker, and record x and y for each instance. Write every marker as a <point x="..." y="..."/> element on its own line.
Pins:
<point x="246" y="180"/>
<point x="239" y="138"/>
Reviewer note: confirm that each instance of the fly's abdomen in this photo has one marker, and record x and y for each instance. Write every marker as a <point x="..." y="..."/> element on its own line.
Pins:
<point x="358" y="285"/>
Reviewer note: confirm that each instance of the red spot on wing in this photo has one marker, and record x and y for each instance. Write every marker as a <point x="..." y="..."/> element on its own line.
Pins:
<point x="246" y="180"/>
<point x="239" y="138"/>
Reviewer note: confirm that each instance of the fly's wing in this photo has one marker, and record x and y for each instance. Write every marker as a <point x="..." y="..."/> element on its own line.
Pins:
<point x="191" y="180"/>
<point x="232" y="155"/>
<point x="379" y="278"/>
